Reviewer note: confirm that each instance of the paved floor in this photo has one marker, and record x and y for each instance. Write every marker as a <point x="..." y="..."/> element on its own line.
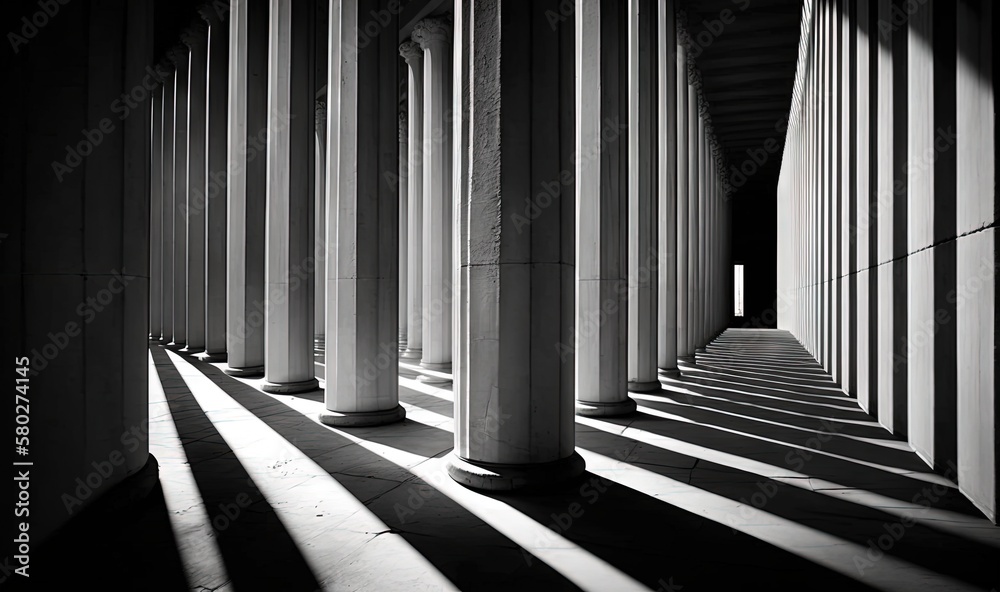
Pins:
<point x="753" y="470"/>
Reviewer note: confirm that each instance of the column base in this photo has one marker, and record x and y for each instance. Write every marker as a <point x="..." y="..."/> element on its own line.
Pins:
<point x="596" y="409"/>
<point x="358" y="419"/>
<point x="436" y="367"/>
<point x="700" y="350"/>
<point x="514" y="477"/>
<point x="189" y="349"/>
<point x="670" y="372"/>
<point x="652" y="386"/>
<point x="433" y="380"/>
<point x="212" y="358"/>
<point x="247" y="372"/>
<point x="164" y="340"/>
<point x="411" y="354"/>
<point x="176" y="345"/>
<point x="288" y="388"/>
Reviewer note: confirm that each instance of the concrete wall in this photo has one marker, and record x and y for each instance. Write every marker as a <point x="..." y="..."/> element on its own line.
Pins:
<point x="886" y="222"/>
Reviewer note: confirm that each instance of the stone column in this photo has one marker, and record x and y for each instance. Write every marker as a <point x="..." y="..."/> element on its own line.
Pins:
<point x="862" y="192"/>
<point x="167" y="210"/>
<point x="156" y="216"/>
<point x="697" y="223"/>
<point x="319" y="226"/>
<point x="643" y="195"/>
<point x="196" y="38"/>
<point x="289" y="261"/>
<point x="362" y="292"/>
<point x="602" y="200"/>
<point x="667" y="188"/>
<point x="976" y="318"/>
<point x="414" y="57"/>
<point x="434" y="37"/>
<point x="513" y="390"/>
<point x="683" y="193"/>
<point x="403" y="222"/>
<point x="181" y="56"/>
<point x="248" y="43"/>
<point x="217" y="181"/>
<point x="694" y="178"/>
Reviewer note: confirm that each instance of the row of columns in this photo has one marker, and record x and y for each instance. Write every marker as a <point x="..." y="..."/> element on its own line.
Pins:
<point x="556" y="241"/>
<point x="886" y="222"/>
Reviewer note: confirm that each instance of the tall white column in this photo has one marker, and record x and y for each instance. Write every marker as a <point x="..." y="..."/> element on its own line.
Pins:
<point x="216" y="181"/>
<point x="514" y="428"/>
<point x="668" y="160"/>
<point x="684" y="156"/>
<point x="320" y="247"/>
<point x="643" y="186"/>
<point x="246" y="190"/>
<point x="862" y="192"/>
<point x="693" y="178"/>
<point x="885" y="197"/>
<point x="602" y="213"/>
<point x="403" y="235"/>
<point x="196" y="38"/>
<point x="434" y="37"/>
<point x="362" y="277"/>
<point x="156" y="216"/>
<point x="289" y="261"/>
<point x="414" y="57"/>
<point x="167" y="210"/>
<point x="977" y="256"/>
<point x="181" y="56"/>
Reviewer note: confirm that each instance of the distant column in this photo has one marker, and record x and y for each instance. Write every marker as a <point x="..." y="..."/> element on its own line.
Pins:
<point x="196" y="38"/>
<point x="414" y="57"/>
<point x="181" y="56"/>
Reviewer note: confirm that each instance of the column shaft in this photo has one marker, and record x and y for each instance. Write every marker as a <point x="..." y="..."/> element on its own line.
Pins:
<point x="216" y="186"/>
<point x="182" y="59"/>
<point x="289" y="261"/>
<point x="414" y="57"/>
<point x="683" y="196"/>
<point x="513" y="391"/>
<point x="196" y="38"/>
<point x="246" y="188"/>
<point x="156" y="216"/>
<point x="602" y="209"/>
<point x="362" y="277"/>
<point x="434" y="37"/>
<point x="667" y="179"/>
<point x="167" y="211"/>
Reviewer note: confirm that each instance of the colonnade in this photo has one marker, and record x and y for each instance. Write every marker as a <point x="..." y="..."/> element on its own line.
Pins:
<point x="887" y="222"/>
<point x="515" y="226"/>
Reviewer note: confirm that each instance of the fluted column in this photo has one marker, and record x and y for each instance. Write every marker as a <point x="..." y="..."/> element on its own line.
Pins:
<point x="694" y="178"/>
<point x="414" y="57"/>
<point x="362" y="292"/>
<point x="319" y="226"/>
<point x="156" y="216"/>
<point x="248" y="42"/>
<point x="643" y="186"/>
<point x="181" y="56"/>
<point x="602" y="200"/>
<point x="403" y="222"/>
<point x="196" y="38"/>
<point x="289" y="262"/>
<point x="513" y="427"/>
<point x="434" y="37"/>
<point x="167" y="210"/>
<point x="684" y="156"/>
<point x="217" y="180"/>
<point x="667" y="176"/>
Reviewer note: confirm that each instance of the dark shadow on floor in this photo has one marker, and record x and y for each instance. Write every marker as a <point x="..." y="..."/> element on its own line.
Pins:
<point x="258" y="552"/>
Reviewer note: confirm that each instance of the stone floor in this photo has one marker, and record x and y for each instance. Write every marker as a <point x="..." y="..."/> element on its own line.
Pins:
<point x="752" y="470"/>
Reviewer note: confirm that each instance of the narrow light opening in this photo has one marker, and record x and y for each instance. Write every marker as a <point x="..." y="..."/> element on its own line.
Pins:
<point x="738" y="289"/>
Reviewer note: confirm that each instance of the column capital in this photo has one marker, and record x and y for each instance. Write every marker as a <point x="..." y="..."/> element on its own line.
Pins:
<point x="320" y="116"/>
<point x="410" y="51"/>
<point x="195" y="35"/>
<point x="431" y="31"/>
<point x="178" y="56"/>
<point x="214" y="13"/>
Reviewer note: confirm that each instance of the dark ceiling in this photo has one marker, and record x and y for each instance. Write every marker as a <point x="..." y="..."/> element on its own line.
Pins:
<point x="747" y="57"/>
